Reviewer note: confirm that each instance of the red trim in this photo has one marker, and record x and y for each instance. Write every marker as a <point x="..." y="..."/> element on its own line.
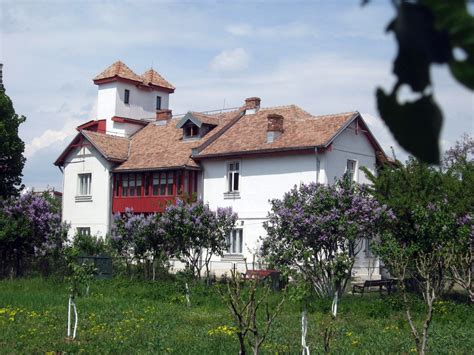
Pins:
<point x="138" y="84"/>
<point x="151" y="203"/>
<point x="116" y="78"/>
<point x="129" y="120"/>
<point x="93" y="126"/>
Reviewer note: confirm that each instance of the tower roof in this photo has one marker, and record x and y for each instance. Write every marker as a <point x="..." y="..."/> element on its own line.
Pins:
<point x="151" y="77"/>
<point x="118" y="70"/>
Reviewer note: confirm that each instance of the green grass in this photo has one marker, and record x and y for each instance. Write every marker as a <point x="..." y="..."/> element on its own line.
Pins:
<point x="142" y="317"/>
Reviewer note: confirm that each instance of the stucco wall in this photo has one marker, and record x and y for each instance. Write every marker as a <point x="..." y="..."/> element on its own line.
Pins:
<point x="142" y="104"/>
<point x="262" y="179"/>
<point x="96" y="212"/>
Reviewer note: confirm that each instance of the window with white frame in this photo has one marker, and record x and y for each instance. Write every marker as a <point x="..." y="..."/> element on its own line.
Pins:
<point x="235" y="242"/>
<point x="84" y="184"/>
<point x="351" y="169"/>
<point x="83" y="231"/>
<point x="233" y="177"/>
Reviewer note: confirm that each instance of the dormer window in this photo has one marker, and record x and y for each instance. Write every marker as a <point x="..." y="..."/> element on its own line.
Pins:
<point x="191" y="131"/>
<point x="158" y="103"/>
<point x="126" y="97"/>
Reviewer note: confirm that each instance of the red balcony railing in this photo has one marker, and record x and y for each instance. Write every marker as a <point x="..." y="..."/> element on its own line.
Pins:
<point x="152" y="191"/>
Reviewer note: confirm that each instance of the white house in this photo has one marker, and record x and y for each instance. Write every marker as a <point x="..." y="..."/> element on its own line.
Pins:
<point x="137" y="154"/>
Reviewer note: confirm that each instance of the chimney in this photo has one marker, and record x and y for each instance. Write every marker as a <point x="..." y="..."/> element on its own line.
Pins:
<point x="164" y="115"/>
<point x="1" y="78"/>
<point x="252" y="104"/>
<point x="274" y="127"/>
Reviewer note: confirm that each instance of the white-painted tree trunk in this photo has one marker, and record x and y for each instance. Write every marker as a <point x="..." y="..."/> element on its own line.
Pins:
<point x="304" y="331"/>
<point x="188" y="300"/>
<point x="75" y="320"/>
<point x="334" y="304"/>
<point x="69" y="317"/>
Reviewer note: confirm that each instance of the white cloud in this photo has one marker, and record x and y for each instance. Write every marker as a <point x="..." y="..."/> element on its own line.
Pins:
<point x="290" y="30"/>
<point x="231" y="60"/>
<point x="51" y="137"/>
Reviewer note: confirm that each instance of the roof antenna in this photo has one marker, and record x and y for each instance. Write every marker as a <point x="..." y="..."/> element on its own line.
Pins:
<point x="223" y="106"/>
<point x="152" y="64"/>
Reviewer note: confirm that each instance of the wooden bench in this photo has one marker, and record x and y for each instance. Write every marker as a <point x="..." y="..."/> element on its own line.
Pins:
<point x="258" y="274"/>
<point x="388" y="284"/>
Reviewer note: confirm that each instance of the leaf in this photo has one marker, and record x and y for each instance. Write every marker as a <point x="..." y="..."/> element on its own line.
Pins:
<point x="419" y="45"/>
<point x="453" y="16"/>
<point x="415" y="125"/>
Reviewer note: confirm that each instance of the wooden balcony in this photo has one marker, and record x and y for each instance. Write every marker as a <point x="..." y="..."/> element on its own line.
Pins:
<point x="151" y="192"/>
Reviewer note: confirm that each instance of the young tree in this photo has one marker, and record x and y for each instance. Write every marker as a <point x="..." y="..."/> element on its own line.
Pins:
<point x="430" y="235"/>
<point x="11" y="148"/>
<point x="245" y="301"/>
<point x="316" y="229"/>
<point x="198" y="232"/>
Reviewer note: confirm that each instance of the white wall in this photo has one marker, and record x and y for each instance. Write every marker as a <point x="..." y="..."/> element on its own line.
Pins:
<point x="349" y="145"/>
<point x="262" y="179"/>
<point x="95" y="213"/>
<point x="142" y="104"/>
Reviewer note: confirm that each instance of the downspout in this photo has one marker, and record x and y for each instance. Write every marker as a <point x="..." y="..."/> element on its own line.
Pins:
<point x="109" y="212"/>
<point x="318" y="164"/>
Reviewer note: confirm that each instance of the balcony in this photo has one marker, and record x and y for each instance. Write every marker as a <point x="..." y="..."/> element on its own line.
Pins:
<point x="151" y="192"/>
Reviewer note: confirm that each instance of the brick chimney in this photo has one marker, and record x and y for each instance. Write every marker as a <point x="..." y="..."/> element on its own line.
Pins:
<point x="274" y="126"/>
<point x="252" y="104"/>
<point x="164" y="115"/>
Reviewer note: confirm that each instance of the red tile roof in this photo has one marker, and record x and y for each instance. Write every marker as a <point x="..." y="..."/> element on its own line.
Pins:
<point x="118" y="70"/>
<point x="151" y="77"/>
<point x="300" y="130"/>
<point x="161" y="146"/>
<point x="111" y="147"/>
<point x="121" y="70"/>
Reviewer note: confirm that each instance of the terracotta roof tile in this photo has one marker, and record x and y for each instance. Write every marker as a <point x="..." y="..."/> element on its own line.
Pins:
<point x="151" y="77"/>
<point x="120" y="70"/>
<point x="301" y="129"/>
<point x="162" y="146"/>
<point x="111" y="147"/>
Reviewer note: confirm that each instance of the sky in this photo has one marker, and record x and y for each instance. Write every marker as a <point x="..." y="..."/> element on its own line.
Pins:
<point x="325" y="56"/>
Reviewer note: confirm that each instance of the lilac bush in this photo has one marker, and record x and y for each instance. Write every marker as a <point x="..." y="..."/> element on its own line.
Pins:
<point x="29" y="226"/>
<point x="316" y="230"/>
<point x="135" y="235"/>
<point x="197" y="232"/>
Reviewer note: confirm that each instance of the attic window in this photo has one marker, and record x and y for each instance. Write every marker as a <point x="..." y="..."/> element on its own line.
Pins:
<point x="191" y="131"/>
<point x="126" y="97"/>
<point x="158" y="102"/>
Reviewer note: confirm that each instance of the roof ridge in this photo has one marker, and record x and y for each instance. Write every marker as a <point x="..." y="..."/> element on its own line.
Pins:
<point x="103" y="134"/>
<point x="335" y="114"/>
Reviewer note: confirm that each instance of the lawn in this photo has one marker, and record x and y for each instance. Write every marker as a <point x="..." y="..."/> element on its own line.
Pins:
<point x="121" y="316"/>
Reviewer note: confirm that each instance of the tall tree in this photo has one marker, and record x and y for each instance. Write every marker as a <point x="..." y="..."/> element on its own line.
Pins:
<point x="11" y="148"/>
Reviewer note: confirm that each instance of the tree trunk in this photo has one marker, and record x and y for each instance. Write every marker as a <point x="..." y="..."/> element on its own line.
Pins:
<point x="242" y="344"/>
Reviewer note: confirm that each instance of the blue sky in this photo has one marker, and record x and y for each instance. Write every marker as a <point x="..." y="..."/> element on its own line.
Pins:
<point x="325" y="56"/>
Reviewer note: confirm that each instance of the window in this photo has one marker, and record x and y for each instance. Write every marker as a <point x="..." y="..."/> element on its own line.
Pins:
<point x="131" y="185"/>
<point x="235" y="242"/>
<point x="367" y="250"/>
<point x="191" y="131"/>
<point x="83" y="231"/>
<point x="126" y="96"/>
<point x="158" y="102"/>
<point x="233" y="176"/>
<point x="84" y="184"/>
<point x="351" y="169"/>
